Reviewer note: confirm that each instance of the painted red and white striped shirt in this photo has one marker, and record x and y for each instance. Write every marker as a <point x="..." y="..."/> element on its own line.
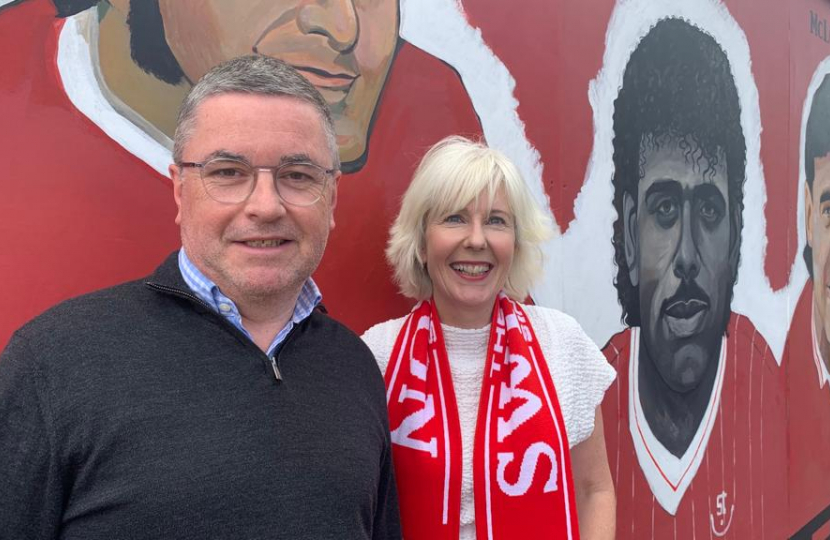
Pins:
<point x="808" y="398"/>
<point x="731" y="482"/>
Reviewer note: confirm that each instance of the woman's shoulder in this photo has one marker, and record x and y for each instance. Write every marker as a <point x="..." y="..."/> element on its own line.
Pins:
<point x="579" y="369"/>
<point x="384" y="330"/>
<point x="561" y="336"/>
<point x="551" y="320"/>
<point x="381" y="338"/>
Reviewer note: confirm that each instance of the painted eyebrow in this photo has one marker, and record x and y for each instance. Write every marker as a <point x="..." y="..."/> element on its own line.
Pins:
<point x="709" y="191"/>
<point x="825" y="196"/>
<point x="663" y="186"/>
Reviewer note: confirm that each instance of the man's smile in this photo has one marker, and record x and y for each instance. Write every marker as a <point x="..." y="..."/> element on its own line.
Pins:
<point x="274" y="242"/>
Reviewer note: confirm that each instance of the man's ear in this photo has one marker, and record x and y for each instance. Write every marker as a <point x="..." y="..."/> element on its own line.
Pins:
<point x="631" y="239"/>
<point x="176" y="176"/>
<point x="808" y="214"/>
<point x="333" y="197"/>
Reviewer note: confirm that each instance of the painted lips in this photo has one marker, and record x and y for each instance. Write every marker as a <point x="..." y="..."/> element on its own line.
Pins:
<point x="333" y="85"/>
<point x="685" y="318"/>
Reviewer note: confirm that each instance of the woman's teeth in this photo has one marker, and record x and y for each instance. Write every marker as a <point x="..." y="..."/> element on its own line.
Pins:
<point x="471" y="269"/>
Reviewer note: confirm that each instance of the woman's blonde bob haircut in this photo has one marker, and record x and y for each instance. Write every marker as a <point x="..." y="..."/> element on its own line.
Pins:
<point x="452" y="174"/>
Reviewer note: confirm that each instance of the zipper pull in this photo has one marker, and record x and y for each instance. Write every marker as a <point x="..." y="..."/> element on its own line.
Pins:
<point x="277" y="373"/>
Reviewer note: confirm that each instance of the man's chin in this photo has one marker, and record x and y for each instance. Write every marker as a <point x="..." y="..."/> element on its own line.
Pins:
<point x="266" y="285"/>
<point x="351" y="144"/>
<point x="687" y="366"/>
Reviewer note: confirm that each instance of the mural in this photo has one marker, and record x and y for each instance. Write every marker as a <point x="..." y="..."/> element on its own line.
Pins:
<point x="808" y="342"/>
<point x="680" y="147"/>
<point x="687" y="366"/>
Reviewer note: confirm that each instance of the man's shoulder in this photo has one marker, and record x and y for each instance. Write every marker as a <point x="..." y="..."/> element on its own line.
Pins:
<point x="742" y="335"/>
<point x="321" y="321"/>
<point x="322" y="330"/>
<point x="800" y="334"/>
<point x="617" y="347"/>
<point x="106" y="313"/>
<point x="331" y="346"/>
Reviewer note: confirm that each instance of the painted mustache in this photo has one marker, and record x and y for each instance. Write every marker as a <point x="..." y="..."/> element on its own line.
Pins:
<point x="689" y="300"/>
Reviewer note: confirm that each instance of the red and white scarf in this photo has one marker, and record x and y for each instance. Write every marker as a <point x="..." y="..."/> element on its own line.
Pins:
<point x="521" y="462"/>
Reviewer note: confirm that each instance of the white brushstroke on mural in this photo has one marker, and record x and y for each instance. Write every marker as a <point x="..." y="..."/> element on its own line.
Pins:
<point x="82" y="80"/>
<point x="799" y="266"/>
<point x="584" y="287"/>
<point x="4" y="2"/>
<point x="440" y="28"/>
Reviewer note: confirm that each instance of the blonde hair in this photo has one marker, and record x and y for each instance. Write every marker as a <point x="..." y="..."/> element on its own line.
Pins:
<point x="452" y="174"/>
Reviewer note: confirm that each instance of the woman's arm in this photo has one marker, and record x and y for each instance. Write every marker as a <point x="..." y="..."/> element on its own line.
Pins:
<point x="595" y="499"/>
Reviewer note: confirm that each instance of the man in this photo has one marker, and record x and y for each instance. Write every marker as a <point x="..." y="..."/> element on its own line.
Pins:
<point x="108" y="104"/>
<point x="807" y="352"/>
<point x="699" y="397"/>
<point x="212" y="399"/>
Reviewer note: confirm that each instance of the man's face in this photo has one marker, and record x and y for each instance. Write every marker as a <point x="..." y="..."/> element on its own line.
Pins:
<point x="680" y="235"/>
<point x="817" y="216"/>
<point x="344" y="47"/>
<point x="260" y="248"/>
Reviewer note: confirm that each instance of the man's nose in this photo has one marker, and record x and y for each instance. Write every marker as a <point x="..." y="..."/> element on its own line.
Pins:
<point x="335" y="19"/>
<point x="686" y="259"/>
<point x="264" y="203"/>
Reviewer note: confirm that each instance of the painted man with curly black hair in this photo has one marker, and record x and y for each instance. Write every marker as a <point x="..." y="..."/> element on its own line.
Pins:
<point x="685" y="363"/>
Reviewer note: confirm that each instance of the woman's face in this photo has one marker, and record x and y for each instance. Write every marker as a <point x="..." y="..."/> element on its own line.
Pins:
<point x="469" y="254"/>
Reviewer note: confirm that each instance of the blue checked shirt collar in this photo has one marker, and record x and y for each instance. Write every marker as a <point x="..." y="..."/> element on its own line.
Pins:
<point x="207" y="291"/>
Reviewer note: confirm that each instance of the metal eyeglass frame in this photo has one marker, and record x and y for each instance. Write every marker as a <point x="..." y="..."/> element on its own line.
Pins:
<point x="273" y="169"/>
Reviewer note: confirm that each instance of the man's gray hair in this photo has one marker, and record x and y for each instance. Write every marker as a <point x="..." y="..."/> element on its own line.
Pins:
<point x="252" y="74"/>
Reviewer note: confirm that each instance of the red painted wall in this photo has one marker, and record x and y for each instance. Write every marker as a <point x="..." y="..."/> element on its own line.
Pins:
<point x="79" y="212"/>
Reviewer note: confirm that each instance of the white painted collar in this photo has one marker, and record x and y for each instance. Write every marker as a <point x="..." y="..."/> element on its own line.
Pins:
<point x="668" y="475"/>
<point x="79" y="71"/>
<point x="821" y="366"/>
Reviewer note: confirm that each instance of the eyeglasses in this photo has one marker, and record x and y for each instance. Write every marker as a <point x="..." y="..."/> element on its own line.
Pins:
<point x="232" y="181"/>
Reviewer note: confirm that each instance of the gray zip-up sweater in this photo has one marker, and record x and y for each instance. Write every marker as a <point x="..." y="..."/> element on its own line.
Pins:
<point x="137" y="412"/>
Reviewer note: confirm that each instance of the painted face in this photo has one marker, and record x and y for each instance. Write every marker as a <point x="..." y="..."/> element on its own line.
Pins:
<point x="344" y="47"/>
<point x="469" y="254"/>
<point x="261" y="247"/>
<point x="817" y="216"/>
<point x="680" y="231"/>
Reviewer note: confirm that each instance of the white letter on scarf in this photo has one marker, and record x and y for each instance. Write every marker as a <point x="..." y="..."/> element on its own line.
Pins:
<point x="527" y="470"/>
<point x="414" y="422"/>
<point x="524" y="412"/>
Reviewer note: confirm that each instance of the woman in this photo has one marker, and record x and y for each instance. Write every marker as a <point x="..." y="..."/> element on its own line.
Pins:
<point x="485" y="395"/>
